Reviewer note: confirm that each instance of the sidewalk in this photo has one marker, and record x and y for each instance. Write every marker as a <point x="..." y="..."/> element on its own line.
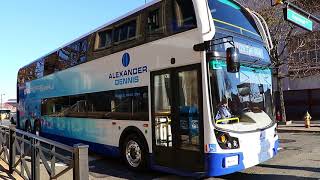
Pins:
<point x="4" y="172"/>
<point x="298" y="127"/>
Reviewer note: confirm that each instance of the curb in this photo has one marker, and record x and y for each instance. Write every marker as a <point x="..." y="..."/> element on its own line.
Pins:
<point x="296" y="131"/>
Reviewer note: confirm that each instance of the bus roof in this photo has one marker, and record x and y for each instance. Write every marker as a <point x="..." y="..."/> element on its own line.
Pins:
<point x="101" y="27"/>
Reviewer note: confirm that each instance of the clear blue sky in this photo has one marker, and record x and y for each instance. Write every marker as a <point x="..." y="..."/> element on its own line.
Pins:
<point x="30" y="29"/>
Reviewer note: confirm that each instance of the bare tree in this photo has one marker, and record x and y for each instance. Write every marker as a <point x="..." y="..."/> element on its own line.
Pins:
<point x="304" y="55"/>
<point x="286" y="42"/>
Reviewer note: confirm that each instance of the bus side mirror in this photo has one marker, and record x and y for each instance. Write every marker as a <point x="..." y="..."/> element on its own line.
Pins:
<point x="233" y="63"/>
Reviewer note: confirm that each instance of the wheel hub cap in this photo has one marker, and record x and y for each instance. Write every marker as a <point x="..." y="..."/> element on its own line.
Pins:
<point x="133" y="153"/>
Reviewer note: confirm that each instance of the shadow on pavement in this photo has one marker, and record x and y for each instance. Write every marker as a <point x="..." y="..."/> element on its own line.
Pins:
<point x="4" y="174"/>
<point x="286" y="141"/>
<point x="242" y="176"/>
<point x="311" y="169"/>
<point x="107" y="168"/>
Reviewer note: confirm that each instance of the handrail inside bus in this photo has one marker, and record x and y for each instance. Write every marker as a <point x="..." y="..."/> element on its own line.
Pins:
<point x="228" y="119"/>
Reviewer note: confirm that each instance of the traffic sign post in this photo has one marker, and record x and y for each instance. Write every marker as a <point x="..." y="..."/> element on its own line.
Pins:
<point x="298" y="19"/>
<point x="296" y="15"/>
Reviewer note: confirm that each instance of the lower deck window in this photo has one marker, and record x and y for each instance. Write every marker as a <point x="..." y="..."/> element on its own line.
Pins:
<point x="125" y="104"/>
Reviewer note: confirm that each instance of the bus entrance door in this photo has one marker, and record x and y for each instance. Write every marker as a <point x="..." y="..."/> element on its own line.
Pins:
<point x="176" y="118"/>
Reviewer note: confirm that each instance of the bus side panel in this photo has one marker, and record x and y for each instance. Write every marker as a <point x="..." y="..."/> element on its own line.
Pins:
<point x="106" y="74"/>
<point x="102" y="135"/>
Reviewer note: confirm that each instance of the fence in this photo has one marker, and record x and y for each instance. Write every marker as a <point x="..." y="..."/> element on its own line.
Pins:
<point x="32" y="156"/>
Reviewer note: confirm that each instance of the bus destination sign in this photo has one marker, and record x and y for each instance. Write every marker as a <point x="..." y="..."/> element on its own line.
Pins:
<point x="298" y="19"/>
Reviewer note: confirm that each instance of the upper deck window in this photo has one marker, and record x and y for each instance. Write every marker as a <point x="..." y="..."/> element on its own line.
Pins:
<point x="229" y="15"/>
<point x="126" y="31"/>
<point x="184" y="14"/>
<point x="72" y="55"/>
<point x="104" y="38"/>
<point x="153" y="20"/>
<point x="29" y="73"/>
<point x="51" y="64"/>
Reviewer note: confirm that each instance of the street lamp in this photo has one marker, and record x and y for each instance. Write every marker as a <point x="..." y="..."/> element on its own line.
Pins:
<point x="1" y="101"/>
<point x="1" y="108"/>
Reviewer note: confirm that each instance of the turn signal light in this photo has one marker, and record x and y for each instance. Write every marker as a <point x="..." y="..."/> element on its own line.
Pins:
<point x="223" y="139"/>
<point x="278" y="2"/>
<point x="226" y="141"/>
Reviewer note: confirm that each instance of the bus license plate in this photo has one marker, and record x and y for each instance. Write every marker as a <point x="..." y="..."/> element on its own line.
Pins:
<point x="231" y="161"/>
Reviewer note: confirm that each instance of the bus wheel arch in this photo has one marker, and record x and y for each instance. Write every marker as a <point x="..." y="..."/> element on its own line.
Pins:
<point x="132" y="136"/>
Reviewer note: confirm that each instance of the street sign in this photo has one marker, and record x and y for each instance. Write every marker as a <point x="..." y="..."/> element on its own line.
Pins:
<point x="298" y="19"/>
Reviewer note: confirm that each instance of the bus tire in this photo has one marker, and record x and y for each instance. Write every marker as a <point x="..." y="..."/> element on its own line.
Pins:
<point x="27" y="126"/>
<point x="37" y="127"/>
<point x="134" y="152"/>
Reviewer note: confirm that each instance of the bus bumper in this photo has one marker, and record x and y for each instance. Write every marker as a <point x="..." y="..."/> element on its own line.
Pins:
<point x="219" y="164"/>
<point x="216" y="164"/>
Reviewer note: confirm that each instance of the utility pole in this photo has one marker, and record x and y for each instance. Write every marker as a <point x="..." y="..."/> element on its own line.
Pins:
<point x="1" y="101"/>
<point x="1" y="108"/>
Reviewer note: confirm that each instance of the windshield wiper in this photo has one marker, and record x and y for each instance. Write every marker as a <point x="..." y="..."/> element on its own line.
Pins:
<point x="252" y="64"/>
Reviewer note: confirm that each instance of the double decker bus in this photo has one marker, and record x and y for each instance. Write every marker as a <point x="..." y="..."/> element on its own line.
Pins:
<point x="181" y="86"/>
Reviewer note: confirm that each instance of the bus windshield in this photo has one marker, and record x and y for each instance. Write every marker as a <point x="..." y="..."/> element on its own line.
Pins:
<point x="241" y="101"/>
<point x="228" y="15"/>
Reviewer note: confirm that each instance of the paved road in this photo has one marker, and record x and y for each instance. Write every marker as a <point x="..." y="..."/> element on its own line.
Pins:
<point x="299" y="158"/>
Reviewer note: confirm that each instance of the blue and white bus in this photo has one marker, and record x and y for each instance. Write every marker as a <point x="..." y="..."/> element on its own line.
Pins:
<point x="181" y="86"/>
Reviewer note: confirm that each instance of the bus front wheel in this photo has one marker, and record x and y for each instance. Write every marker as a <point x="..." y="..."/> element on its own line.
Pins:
<point x="134" y="152"/>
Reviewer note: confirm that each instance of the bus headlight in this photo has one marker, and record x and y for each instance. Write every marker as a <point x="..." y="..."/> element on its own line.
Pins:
<point x="226" y="141"/>
<point x="229" y="145"/>
<point x="235" y="144"/>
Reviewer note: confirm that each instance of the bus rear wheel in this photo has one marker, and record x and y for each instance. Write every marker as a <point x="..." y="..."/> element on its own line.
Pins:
<point x="134" y="152"/>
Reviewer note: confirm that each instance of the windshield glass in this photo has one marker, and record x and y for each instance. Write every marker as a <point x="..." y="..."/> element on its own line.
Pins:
<point x="228" y="15"/>
<point x="241" y="101"/>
